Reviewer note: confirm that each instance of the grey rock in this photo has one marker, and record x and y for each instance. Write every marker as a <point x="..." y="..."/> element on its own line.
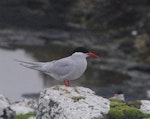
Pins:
<point x="60" y="102"/>
<point x="8" y="113"/>
<point x="145" y="106"/>
<point x="25" y="106"/>
<point x="5" y="111"/>
<point x="4" y="103"/>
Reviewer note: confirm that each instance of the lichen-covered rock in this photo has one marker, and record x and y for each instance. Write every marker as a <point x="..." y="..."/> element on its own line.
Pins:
<point x="145" y="106"/>
<point x="24" y="106"/>
<point x="60" y="102"/>
<point x="4" y="103"/>
<point x="5" y="111"/>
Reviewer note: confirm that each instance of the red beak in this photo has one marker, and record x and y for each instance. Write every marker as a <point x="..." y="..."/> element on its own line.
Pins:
<point x="90" y="54"/>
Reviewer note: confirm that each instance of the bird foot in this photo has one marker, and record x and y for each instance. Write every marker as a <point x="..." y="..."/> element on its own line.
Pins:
<point x="67" y="83"/>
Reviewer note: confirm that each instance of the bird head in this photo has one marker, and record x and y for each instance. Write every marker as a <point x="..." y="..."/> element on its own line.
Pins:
<point x="84" y="52"/>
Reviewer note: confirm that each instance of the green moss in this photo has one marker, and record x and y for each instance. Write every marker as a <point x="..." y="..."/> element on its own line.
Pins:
<point x="77" y="98"/>
<point x="146" y="116"/>
<point x="57" y="87"/>
<point x="66" y="91"/>
<point x="120" y="110"/>
<point x="25" y="116"/>
<point x="116" y="102"/>
<point x="76" y="91"/>
<point x="125" y="112"/>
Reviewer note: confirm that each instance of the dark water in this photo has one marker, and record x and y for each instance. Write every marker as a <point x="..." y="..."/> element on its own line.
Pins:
<point x="17" y="82"/>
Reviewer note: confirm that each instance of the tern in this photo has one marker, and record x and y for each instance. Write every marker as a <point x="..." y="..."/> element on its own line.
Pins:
<point x="65" y="69"/>
<point x="119" y="95"/>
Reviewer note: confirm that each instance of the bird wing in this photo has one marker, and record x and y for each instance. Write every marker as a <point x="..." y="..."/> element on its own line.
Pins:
<point x="59" y="68"/>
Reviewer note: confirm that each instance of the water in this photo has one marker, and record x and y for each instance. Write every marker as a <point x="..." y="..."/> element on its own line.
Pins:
<point x="14" y="79"/>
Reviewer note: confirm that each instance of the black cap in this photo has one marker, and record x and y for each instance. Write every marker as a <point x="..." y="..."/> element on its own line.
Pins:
<point x="119" y="92"/>
<point x="80" y="49"/>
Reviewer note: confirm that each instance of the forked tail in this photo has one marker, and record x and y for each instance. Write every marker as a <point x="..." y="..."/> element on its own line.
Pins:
<point x="31" y="65"/>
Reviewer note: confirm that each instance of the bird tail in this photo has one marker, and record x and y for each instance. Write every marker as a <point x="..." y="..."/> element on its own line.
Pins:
<point x="31" y="65"/>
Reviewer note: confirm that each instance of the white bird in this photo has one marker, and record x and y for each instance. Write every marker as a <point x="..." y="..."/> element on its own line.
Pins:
<point x="65" y="69"/>
<point x="119" y="95"/>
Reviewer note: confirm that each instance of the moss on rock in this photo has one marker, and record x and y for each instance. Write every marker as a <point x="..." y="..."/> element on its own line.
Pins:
<point x="120" y="110"/>
<point x="57" y="87"/>
<point x="66" y="91"/>
<point x="76" y="91"/>
<point x="77" y="98"/>
<point x="146" y="116"/>
<point x="125" y="112"/>
<point x="25" y="116"/>
<point x="116" y="102"/>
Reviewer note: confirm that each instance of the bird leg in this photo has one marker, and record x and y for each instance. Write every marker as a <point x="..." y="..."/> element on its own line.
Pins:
<point x="67" y="83"/>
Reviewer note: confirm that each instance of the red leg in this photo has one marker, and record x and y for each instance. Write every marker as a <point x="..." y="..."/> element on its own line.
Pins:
<point x="67" y="83"/>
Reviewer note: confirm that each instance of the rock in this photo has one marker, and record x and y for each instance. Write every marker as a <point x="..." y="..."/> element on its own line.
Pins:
<point x="23" y="107"/>
<point x="5" y="111"/>
<point x="8" y="110"/>
<point x="32" y="118"/>
<point x="145" y="106"/>
<point x="8" y="113"/>
<point x="60" y="102"/>
<point x="4" y="103"/>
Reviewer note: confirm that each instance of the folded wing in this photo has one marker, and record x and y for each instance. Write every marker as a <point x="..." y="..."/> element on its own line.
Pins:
<point x="58" y="69"/>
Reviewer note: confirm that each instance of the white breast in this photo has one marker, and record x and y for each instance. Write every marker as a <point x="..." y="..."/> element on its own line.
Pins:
<point x="79" y="67"/>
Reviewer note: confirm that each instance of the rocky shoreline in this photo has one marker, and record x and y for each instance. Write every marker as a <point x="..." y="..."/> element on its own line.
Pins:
<point x="59" y="102"/>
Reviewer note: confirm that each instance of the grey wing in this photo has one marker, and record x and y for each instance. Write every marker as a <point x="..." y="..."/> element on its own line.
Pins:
<point x="59" y="68"/>
<point x="31" y="65"/>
